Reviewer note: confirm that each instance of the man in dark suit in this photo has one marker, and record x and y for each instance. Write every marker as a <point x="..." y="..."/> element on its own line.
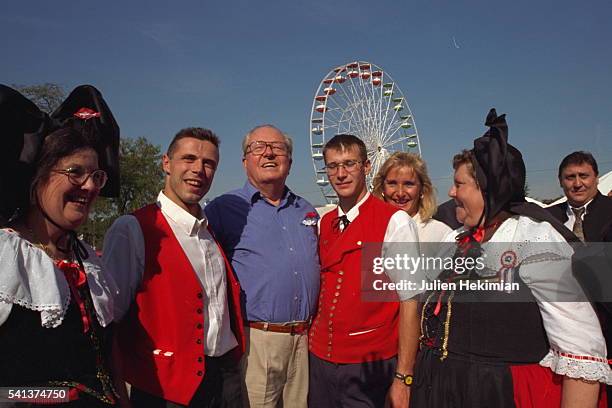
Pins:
<point x="588" y="213"/>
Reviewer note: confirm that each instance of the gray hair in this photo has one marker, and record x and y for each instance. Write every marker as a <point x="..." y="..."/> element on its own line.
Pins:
<point x="288" y="141"/>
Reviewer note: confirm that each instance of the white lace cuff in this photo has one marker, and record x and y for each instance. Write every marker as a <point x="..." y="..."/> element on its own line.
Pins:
<point x="584" y="367"/>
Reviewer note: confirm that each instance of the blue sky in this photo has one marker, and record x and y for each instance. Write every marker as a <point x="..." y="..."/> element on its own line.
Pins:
<point x="232" y="65"/>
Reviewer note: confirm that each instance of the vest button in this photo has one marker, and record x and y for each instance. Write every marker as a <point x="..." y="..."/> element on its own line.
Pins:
<point x="200" y="359"/>
<point x="200" y="373"/>
<point x="341" y="273"/>
<point x="199" y="311"/>
<point x="199" y="326"/>
<point x="199" y="341"/>
<point x="200" y="295"/>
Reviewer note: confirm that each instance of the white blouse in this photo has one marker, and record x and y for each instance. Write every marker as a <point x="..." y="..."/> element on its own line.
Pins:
<point x="542" y="259"/>
<point x="431" y="234"/>
<point x="30" y="279"/>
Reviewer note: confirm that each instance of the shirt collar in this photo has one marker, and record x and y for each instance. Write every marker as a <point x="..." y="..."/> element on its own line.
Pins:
<point x="353" y="212"/>
<point x="252" y="193"/>
<point x="189" y="224"/>
<point x="569" y="211"/>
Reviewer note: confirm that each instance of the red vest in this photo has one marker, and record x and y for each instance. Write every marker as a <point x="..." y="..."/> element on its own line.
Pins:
<point x="342" y="314"/>
<point x="161" y="339"/>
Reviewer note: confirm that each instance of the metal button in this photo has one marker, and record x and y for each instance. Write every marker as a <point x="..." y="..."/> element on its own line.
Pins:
<point x="199" y="341"/>
<point x="331" y="315"/>
<point x="199" y="311"/>
<point x="334" y="300"/>
<point x="290" y="249"/>
<point x="337" y="286"/>
<point x="358" y="242"/>
<point x="337" y="294"/>
<point x="341" y="273"/>
<point x="200" y="373"/>
<point x="199" y="326"/>
<point x="200" y="295"/>
<point x="200" y="359"/>
<point x="339" y="280"/>
<point x="329" y="342"/>
<point x="332" y="308"/>
<point x="328" y="355"/>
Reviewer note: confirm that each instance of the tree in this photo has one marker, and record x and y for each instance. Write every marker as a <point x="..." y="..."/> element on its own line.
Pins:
<point x="141" y="180"/>
<point x="46" y="96"/>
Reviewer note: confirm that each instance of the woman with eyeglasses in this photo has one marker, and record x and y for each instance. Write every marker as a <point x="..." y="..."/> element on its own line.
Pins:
<point x="56" y="304"/>
<point x="403" y="181"/>
<point x="506" y="324"/>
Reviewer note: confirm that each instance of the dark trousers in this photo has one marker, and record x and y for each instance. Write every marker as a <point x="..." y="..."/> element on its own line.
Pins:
<point x="220" y="388"/>
<point x="362" y="385"/>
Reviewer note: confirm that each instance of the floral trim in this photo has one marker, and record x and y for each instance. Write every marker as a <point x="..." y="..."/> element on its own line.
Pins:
<point x="51" y="315"/>
<point x="310" y="219"/>
<point x="574" y="366"/>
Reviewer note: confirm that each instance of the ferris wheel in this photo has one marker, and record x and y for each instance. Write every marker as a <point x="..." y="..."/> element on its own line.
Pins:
<point x="361" y="99"/>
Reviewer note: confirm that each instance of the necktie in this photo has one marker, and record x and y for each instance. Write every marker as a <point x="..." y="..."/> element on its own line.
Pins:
<point x="342" y="221"/>
<point x="578" y="212"/>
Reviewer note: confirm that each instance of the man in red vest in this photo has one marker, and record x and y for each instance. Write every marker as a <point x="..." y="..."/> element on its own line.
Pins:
<point x="180" y="335"/>
<point x="355" y="360"/>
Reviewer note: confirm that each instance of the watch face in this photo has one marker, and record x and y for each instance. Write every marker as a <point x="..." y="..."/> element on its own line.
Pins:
<point x="408" y="380"/>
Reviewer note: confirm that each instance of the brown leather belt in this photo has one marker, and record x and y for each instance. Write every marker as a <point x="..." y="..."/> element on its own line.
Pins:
<point x="291" y="328"/>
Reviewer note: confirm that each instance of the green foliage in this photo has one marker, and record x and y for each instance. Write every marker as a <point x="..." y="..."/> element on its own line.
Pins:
<point x="46" y="96"/>
<point x="141" y="180"/>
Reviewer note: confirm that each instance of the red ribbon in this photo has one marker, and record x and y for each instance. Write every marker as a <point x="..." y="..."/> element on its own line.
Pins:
<point x="76" y="278"/>
<point x="464" y="245"/>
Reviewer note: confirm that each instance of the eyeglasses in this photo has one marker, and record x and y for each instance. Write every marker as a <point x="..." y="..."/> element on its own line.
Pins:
<point x="78" y="176"/>
<point x="258" y="148"/>
<point x="349" y="165"/>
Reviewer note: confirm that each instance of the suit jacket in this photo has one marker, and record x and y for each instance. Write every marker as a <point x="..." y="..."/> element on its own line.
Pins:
<point x="597" y="220"/>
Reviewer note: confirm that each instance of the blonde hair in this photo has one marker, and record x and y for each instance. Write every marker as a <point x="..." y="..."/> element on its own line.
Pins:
<point x="427" y="200"/>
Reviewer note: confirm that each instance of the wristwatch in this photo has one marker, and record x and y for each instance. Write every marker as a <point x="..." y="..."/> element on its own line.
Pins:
<point x="405" y="378"/>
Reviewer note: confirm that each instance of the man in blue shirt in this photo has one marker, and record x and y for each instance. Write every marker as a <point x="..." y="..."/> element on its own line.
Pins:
<point x="269" y="234"/>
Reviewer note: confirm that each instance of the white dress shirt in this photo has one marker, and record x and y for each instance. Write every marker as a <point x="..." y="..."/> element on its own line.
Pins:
<point x="571" y="217"/>
<point x="124" y="259"/>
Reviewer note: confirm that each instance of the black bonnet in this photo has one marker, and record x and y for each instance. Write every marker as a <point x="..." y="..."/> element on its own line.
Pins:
<point x="24" y="127"/>
<point x="500" y="169"/>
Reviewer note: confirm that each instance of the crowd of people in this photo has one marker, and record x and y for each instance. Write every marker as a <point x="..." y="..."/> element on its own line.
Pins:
<point x="256" y="300"/>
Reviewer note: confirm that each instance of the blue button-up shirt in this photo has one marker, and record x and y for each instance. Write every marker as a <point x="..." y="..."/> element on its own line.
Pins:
<point x="273" y="250"/>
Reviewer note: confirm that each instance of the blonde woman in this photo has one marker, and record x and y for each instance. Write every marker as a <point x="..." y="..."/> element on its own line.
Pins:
<point x="403" y="181"/>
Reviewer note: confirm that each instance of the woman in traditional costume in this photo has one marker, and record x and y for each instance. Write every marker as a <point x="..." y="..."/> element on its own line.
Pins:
<point x="56" y="304"/>
<point x="526" y="337"/>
